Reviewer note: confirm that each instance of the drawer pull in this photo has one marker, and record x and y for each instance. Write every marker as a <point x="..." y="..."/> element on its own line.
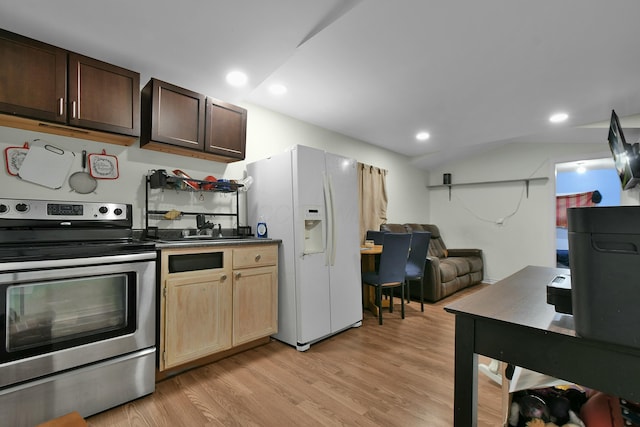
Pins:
<point x="258" y="257"/>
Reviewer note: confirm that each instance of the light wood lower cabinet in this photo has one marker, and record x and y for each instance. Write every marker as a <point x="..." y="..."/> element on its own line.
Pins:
<point x="255" y="293"/>
<point x="198" y="313"/>
<point x="214" y="299"/>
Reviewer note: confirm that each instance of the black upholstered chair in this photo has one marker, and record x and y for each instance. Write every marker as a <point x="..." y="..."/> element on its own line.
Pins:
<point x="376" y="236"/>
<point x="416" y="263"/>
<point x="391" y="273"/>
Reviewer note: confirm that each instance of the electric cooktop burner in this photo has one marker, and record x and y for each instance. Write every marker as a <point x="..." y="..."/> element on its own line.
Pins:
<point x="47" y="229"/>
<point x="46" y="251"/>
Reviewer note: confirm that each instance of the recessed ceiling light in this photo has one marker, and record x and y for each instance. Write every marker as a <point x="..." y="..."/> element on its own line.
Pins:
<point x="278" y="89"/>
<point x="422" y="136"/>
<point x="558" y="117"/>
<point x="237" y="78"/>
<point x="581" y="168"/>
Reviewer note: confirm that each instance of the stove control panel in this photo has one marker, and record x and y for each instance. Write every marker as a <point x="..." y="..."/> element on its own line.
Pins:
<point x="61" y="210"/>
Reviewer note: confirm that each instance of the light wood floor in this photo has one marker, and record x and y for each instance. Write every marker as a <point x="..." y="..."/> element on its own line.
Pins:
<point x="397" y="374"/>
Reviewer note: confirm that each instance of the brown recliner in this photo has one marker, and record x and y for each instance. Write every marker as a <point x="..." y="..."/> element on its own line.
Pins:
<point x="447" y="270"/>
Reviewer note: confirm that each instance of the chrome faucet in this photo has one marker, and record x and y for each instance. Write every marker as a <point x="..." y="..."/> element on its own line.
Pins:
<point x="203" y="225"/>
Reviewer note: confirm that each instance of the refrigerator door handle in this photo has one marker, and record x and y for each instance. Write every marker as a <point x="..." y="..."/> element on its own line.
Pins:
<point x="328" y="202"/>
<point x="332" y="223"/>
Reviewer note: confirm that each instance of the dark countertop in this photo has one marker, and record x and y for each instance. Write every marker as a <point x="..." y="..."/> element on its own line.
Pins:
<point x="172" y="238"/>
<point x="191" y="243"/>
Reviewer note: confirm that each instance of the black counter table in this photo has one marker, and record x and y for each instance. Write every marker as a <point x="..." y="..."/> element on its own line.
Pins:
<point x="510" y="321"/>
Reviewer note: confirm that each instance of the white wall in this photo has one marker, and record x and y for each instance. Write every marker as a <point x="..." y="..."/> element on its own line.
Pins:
<point x="525" y="238"/>
<point x="468" y="220"/>
<point x="267" y="133"/>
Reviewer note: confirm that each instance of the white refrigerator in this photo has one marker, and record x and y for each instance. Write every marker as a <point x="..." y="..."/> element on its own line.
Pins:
<point x="309" y="199"/>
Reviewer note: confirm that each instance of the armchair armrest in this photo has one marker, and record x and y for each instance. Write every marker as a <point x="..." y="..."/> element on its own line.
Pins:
<point x="431" y="280"/>
<point x="464" y="252"/>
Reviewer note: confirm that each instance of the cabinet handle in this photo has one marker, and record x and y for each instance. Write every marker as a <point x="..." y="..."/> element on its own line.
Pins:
<point x="61" y="106"/>
<point x="258" y="257"/>
<point x="223" y="277"/>
<point x="238" y="275"/>
<point x="73" y="109"/>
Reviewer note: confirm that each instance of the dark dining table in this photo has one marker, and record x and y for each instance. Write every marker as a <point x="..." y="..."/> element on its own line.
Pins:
<point x="511" y="321"/>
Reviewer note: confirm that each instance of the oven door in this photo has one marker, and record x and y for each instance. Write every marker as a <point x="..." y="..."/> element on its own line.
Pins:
<point x="63" y="314"/>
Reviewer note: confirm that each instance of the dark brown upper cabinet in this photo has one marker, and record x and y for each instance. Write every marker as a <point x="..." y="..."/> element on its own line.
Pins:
<point x="179" y="121"/>
<point x="171" y="115"/>
<point x="225" y="129"/>
<point x="73" y="95"/>
<point x="103" y="96"/>
<point x="33" y="78"/>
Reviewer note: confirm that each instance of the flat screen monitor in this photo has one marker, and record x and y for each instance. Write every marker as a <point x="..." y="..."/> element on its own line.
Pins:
<point x="626" y="156"/>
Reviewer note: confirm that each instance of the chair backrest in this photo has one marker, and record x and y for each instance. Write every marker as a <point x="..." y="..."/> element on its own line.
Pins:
<point x="393" y="259"/>
<point x="376" y="236"/>
<point x="394" y="228"/>
<point x="437" y="248"/>
<point x="418" y="254"/>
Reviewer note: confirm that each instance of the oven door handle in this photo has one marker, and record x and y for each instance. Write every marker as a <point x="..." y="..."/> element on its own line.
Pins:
<point x="77" y="262"/>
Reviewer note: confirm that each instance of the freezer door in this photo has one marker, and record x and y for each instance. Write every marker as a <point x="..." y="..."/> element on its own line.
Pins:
<point x="345" y="277"/>
<point x="312" y="271"/>
<point x="271" y="198"/>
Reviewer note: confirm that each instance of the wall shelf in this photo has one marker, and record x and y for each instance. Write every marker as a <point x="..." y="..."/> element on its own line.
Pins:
<point x="505" y="181"/>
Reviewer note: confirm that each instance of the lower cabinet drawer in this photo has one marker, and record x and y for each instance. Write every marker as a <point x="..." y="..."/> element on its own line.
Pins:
<point x="255" y="256"/>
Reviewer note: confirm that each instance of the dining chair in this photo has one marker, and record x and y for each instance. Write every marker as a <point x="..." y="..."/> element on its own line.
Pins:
<point x="376" y="236"/>
<point x="416" y="263"/>
<point x="391" y="272"/>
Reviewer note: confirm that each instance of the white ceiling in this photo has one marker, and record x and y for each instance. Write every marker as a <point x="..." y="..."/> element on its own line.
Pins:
<point x="475" y="74"/>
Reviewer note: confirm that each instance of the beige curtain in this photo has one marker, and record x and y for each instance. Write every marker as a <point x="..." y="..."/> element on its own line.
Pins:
<point x="373" y="198"/>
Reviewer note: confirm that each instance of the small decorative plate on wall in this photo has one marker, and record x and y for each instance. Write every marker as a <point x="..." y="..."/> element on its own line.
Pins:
<point x="14" y="156"/>
<point x="103" y="166"/>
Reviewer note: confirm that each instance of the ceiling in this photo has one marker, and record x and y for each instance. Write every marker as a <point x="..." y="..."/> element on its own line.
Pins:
<point x="473" y="74"/>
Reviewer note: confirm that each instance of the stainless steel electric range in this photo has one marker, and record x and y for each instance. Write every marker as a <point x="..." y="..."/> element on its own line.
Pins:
<point x="77" y="309"/>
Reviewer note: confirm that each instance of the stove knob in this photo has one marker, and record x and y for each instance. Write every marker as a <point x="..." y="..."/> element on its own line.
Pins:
<point x="22" y="207"/>
<point x="4" y="208"/>
<point x="103" y="209"/>
<point x="118" y="211"/>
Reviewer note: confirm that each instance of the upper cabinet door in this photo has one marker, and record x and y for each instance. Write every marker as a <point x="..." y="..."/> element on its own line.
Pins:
<point x="226" y="129"/>
<point x="103" y="96"/>
<point x="33" y="78"/>
<point x="175" y="115"/>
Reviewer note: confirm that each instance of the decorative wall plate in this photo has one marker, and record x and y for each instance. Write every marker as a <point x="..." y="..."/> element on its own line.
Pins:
<point x="103" y="166"/>
<point x="13" y="157"/>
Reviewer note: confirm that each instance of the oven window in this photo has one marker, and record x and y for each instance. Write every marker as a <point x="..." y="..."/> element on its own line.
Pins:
<point x="55" y="314"/>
